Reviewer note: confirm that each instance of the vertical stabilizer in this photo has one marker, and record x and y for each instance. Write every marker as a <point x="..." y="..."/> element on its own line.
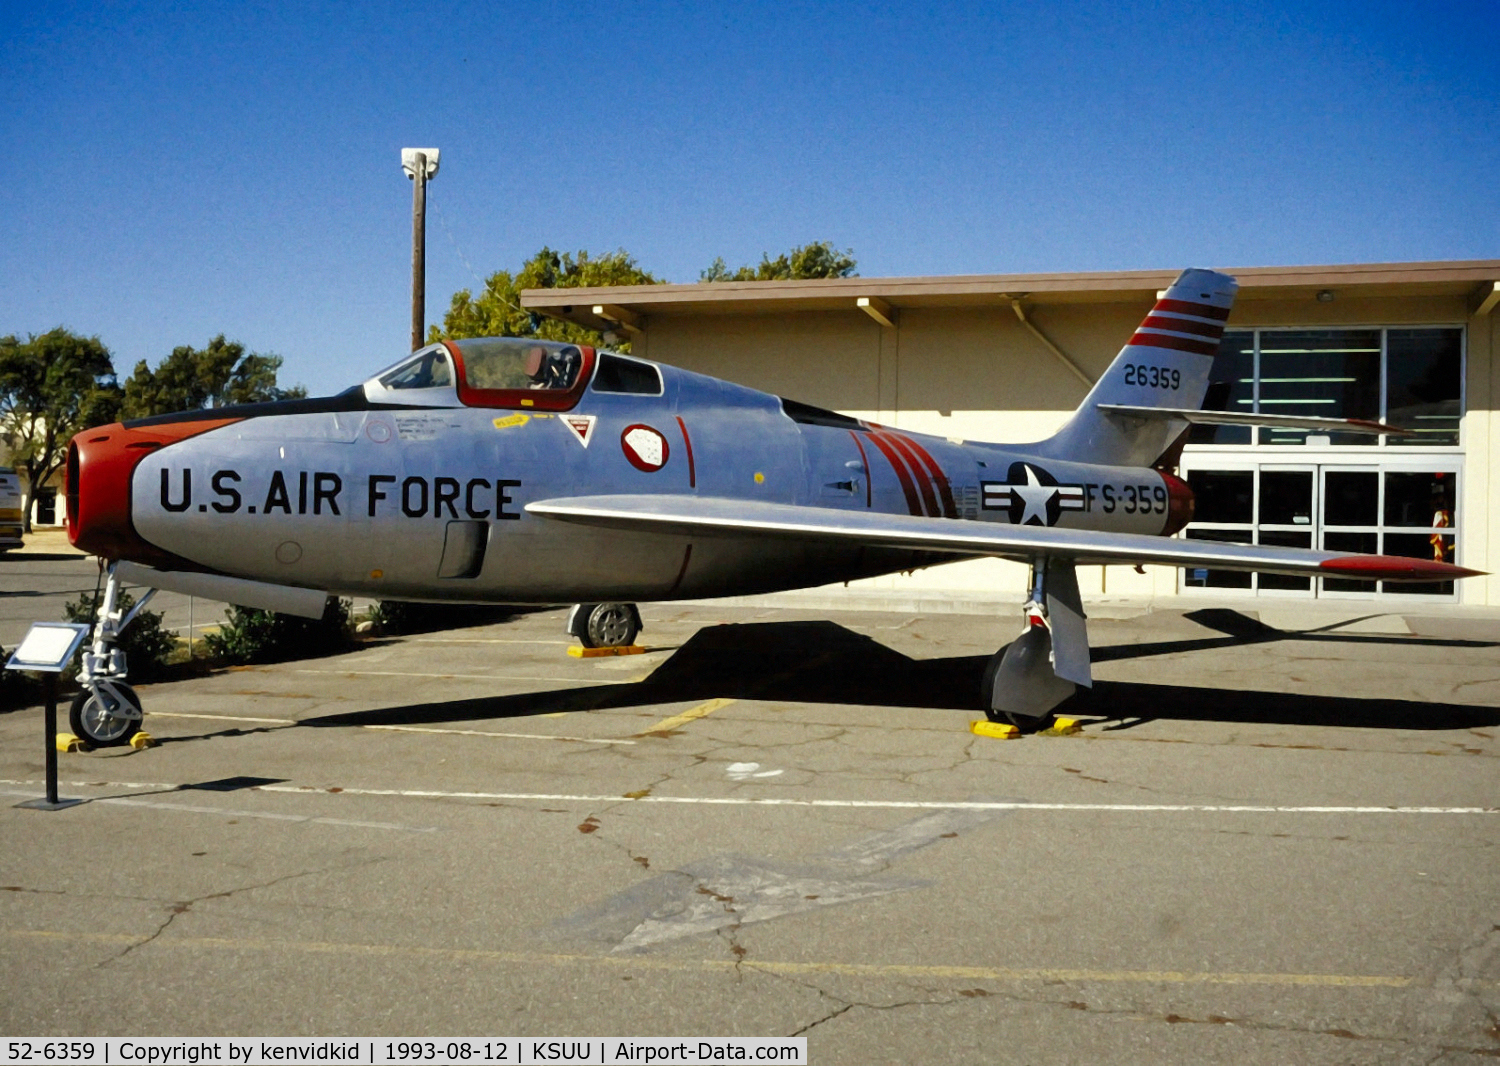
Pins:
<point x="1165" y="364"/>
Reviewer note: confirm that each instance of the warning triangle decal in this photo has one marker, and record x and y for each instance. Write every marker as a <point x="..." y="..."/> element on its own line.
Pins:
<point x="581" y="426"/>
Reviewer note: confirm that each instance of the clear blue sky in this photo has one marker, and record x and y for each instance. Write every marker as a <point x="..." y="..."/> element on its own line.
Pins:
<point x="180" y="170"/>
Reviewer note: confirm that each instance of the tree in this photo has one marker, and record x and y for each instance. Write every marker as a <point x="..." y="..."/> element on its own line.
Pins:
<point x="497" y="311"/>
<point x="217" y="375"/>
<point x="820" y="259"/>
<point x="51" y="387"/>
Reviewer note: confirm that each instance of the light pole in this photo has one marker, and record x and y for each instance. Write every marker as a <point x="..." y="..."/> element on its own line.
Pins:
<point x="421" y="166"/>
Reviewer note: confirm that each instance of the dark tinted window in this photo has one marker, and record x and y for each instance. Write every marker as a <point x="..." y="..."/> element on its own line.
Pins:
<point x="626" y="375"/>
<point x="809" y="415"/>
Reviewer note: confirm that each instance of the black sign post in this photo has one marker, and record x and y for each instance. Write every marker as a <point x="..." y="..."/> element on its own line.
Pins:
<point x="47" y="649"/>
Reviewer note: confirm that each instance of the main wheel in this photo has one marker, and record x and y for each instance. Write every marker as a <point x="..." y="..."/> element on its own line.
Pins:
<point x="610" y="625"/>
<point x="103" y="721"/>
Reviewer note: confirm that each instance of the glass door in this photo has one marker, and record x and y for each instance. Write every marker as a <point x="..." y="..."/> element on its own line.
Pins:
<point x="1286" y="508"/>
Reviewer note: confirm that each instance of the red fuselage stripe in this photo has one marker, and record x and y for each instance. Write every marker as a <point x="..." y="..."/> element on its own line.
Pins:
<point x="950" y="509"/>
<point x="929" y="498"/>
<point x="912" y="503"/>
<point x="692" y="472"/>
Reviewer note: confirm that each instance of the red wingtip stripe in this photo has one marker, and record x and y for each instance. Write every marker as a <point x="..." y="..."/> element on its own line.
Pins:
<point x="1183" y="307"/>
<point x="1396" y="568"/>
<point x="1180" y="344"/>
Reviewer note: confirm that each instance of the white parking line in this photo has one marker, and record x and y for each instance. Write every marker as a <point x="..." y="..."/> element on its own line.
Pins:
<point x="221" y="717"/>
<point x="750" y="801"/>
<point x="228" y="812"/>
<point x="921" y="805"/>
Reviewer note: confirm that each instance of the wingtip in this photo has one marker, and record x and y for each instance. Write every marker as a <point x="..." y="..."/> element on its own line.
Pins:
<point x="1396" y="568"/>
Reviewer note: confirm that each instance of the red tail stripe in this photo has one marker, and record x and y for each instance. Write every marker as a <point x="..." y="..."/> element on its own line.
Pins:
<point x="929" y="498"/>
<point x="1181" y="344"/>
<point x="1182" y="325"/>
<point x="912" y="504"/>
<point x="950" y="509"/>
<point x="1183" y="307"/>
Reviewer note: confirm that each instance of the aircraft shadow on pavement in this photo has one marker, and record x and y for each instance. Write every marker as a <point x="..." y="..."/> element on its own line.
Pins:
<point x="823" y="662"/>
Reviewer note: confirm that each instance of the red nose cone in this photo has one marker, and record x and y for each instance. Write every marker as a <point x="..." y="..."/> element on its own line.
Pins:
<point x="1179" y="503"/>
<point x="100" y="464"/>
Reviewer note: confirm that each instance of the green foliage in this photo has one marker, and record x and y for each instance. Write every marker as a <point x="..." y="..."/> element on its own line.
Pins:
<point x="217" y="375"/>
<point x="497" y="312"/>
<point x="255" y="636"/>
<point x="145" y="643"/>
<point x="820" y="259"/>
<point x="51" y="387"/>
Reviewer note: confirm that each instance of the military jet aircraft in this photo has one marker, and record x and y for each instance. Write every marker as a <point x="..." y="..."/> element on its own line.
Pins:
<point x="516" y="471"/>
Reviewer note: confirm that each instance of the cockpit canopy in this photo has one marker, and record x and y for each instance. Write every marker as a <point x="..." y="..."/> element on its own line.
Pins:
<point x="487" y="372"/>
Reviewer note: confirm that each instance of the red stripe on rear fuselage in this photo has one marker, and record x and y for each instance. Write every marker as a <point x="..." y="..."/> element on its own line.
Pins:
<point x="912" y="503"/>
<point x="686" y="440"/>
<point x="950" y="509"/>
<point x="929" y="498"/>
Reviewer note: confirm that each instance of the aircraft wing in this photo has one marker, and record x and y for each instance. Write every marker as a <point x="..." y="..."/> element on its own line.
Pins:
<point x="711" y="516"/>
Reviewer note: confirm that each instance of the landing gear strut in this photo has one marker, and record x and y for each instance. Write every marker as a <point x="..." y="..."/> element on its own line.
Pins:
<point x="1042" y="667"/>
<point x="605" y="625"/>
<point x="107" y="711"/>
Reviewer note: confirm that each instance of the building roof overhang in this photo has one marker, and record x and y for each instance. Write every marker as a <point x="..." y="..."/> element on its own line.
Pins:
<point x="625" y="307"/>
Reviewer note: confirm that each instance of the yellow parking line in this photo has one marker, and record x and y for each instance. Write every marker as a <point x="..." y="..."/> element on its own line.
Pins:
<point x="666" y="725"/>
<point x="897" y="971"/>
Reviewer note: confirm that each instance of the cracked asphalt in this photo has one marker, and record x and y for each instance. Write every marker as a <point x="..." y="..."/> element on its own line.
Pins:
<point x="1270" y="843"/>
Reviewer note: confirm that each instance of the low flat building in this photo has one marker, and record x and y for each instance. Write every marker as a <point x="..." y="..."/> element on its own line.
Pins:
<point x="1008" y="357"/>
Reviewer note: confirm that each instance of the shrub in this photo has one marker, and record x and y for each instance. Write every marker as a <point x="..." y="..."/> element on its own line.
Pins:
<point x="145" y="643"/>
<point x="255" y="636"/>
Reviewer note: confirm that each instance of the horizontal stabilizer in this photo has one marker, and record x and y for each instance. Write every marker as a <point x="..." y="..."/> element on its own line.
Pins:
<point x="283" y="599"/>
<point x="711" y="516"/>
<point x="1232" y="418"/>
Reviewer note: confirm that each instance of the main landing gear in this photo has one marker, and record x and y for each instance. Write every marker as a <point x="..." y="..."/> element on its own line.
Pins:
<point x="1042" y="667"/>
<point x="107" y="712"/>
<point x="605" y="625"/>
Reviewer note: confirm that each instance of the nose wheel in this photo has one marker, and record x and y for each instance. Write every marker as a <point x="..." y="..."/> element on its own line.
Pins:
<point x="106" y="715"/>
<point x="605" y="625"/>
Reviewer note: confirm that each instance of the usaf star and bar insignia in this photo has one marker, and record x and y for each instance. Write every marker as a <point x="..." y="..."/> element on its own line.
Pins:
<point x="1031" y="496"/>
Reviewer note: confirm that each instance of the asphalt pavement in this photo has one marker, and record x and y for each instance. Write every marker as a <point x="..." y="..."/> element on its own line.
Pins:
<point x="1270" y="842"/>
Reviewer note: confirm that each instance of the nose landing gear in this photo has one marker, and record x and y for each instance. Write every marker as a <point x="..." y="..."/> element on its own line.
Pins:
<point x="107" y="712"/>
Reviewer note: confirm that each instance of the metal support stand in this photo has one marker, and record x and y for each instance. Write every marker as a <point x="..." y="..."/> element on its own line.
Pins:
<point x="51" y="803"/>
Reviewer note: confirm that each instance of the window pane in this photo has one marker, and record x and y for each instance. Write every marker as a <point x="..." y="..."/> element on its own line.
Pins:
<point x="1230" y="388"/>
<point x="1351" y="498"/>
<point x="1222" y="495"/>
<point x="1286" y="498"/>
<point x="1204" y="578"/>
<point x="1424" y="367"/>
<point x="1285" y="538"/>
<point x="1419" y="499"/>
<point x="1330" y="373"/>
<point x="626" y="375"/>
